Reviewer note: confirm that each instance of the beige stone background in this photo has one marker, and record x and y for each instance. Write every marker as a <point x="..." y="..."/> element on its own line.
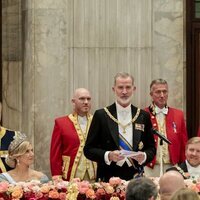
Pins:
<point x="51" y="47"/>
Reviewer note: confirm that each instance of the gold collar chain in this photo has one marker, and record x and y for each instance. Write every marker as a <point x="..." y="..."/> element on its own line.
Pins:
<point x="124" y="126"/>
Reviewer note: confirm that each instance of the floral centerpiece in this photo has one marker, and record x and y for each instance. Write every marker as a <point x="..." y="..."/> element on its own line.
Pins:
<point x="75" y="190"/>
<point x="64" y="190"/>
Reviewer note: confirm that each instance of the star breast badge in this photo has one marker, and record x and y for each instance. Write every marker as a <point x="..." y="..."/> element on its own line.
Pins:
<point x="140" y="145"/>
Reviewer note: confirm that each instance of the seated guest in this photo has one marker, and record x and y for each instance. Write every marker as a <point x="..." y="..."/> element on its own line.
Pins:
<point x="20" y="157"/>
<point x="185" y="194"/>
<point x="169" y="183"/>
<point x="191" y="166"/>
<point x="141" y="189"/>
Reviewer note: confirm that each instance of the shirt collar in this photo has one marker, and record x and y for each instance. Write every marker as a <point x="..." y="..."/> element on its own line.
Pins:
<point x="123" y="109"/>
<point x="82" y="120"/>
<point x="192" y="170"/>
<point x="161" y="110"/>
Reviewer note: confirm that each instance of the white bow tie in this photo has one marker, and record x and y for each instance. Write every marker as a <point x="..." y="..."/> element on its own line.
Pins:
<point x="163" y="110"/>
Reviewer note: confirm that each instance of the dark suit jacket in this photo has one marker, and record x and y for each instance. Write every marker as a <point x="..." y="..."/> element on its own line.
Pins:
<point x="103" y="136"/>
<point x="181" y="168"/>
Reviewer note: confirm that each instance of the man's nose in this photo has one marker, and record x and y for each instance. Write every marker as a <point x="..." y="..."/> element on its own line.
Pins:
<point x="161" y="94"/>
<point x="124" y="91"/>
<point x="85" y="100"/>
<point x="194" y="153"/>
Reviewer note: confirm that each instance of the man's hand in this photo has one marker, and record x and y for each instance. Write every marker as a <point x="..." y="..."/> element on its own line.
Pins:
<point x="115" y="156"/>
<point x="140" y="158"/>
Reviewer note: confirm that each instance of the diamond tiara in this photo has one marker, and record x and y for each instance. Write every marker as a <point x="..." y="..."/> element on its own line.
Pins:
<point x="18" y="139"/>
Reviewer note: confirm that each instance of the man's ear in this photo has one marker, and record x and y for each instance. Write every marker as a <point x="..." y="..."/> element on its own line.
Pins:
<point x="113" y="89"/>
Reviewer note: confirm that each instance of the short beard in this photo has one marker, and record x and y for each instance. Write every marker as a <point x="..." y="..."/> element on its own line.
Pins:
<point x="123" y="102"/>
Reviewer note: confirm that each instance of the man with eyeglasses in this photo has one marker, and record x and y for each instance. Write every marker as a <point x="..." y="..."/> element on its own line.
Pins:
<point x="67" y="160"/>
<point x="169" y="122"/>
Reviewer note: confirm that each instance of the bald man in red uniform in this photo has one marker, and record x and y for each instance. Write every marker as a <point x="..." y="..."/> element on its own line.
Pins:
<point x="68" y="139"/>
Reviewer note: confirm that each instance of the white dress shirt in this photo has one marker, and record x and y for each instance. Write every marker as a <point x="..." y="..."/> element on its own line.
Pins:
<point x="83" y="123"/>
<point x="193" y="171"/>
<point x="124" y="116"/>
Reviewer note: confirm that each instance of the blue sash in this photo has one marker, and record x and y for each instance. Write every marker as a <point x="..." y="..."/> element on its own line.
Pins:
<point x="123" y="144"/>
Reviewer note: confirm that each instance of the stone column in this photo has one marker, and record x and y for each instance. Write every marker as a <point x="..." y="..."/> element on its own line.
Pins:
<point x="12" y="64"/>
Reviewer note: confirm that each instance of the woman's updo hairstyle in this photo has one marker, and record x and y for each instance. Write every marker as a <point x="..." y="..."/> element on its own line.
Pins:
<point x="16" y="148"/>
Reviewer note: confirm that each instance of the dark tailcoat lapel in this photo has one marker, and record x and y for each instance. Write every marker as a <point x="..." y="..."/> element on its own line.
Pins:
<point x="183" y="166"/>
<point x="136" y="133"/>
<point x="113" y="126"/>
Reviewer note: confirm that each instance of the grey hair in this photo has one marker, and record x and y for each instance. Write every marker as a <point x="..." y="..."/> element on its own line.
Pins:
<point x="158" y="81"/>
<point x="123" y="75"/>
<point x="141" y="189"/>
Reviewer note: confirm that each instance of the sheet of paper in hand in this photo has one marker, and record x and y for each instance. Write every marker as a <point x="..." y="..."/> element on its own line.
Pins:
<point x="126" y="153"/>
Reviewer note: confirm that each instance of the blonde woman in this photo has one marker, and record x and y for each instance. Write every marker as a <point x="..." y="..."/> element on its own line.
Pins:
<point x="20" y="157"/>
<point x="185" y="194"/>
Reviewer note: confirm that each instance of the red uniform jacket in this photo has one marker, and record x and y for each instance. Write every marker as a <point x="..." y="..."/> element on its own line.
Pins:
<point x="66" y="147"/>
<point x="176" y="132"/>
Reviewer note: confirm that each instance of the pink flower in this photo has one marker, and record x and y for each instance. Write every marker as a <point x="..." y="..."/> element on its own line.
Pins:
<point x="4" y="186"/>
<point x="17" y="193"/>
<point x="109" y="189"/>
<point x="44" y="189"/>
<point x="62" y="196"/>
<point x="54" y="194"/>
<point x="115" y="181"/>
<point x="193" y="187"/>
<point x="100" y="191"/>
<point x="90" y="194"/>
<point x="38" y="195"/>
<point x="83" y="186"/>
<point x="198" y="186"/>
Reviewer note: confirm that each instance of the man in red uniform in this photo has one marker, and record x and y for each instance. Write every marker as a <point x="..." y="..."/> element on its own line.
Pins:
<point x="68" y="139"/>
<point x="170" y="122"/>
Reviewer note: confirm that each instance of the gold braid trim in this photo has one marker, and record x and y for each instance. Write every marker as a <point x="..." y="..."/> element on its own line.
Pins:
<point x="119" y="123"/>
<point x="184" y="174"/>
<point x="82" y="138"/>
